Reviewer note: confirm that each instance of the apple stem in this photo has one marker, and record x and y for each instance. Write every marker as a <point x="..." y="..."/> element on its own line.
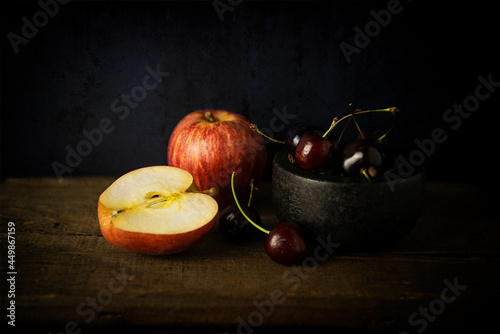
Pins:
<point x="210" y="117"/>
<point x="241" y="210"/>
<point x="210" y="192"/>
<point x="256" y="129"/>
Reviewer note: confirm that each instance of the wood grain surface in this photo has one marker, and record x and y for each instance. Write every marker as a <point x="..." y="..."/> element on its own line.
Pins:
<point x="70" y="278"/>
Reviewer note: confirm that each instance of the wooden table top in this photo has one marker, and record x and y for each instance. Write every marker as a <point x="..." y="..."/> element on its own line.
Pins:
<point x="444" y="274"/>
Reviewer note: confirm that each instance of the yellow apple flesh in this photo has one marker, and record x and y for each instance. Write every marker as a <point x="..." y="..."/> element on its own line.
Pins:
<point x="155" y="210"/>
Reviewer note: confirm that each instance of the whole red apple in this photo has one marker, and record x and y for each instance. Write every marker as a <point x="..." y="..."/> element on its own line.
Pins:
<point x="212" y="144"/>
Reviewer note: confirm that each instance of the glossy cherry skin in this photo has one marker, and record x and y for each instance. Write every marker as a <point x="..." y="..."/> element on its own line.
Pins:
<point x="287" y="243"/>
<point x="314" y="151"/>
<point x="361" y="154"/>
<point x="234" y="226"/>
<point x="293" y="137"/>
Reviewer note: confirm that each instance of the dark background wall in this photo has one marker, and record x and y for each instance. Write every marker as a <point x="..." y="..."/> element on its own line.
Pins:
<point x="262" y="57"/>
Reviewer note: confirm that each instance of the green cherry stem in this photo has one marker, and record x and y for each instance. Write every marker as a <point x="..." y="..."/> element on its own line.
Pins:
<point x="256" y="129"/>
<point x="391" y="110"/>
<point x="241" y="210"/>
<point x="379" y="139"/>
<point x="355" y="122"/>
<point x="366" y="175"/>
<point x="357" y="126"/>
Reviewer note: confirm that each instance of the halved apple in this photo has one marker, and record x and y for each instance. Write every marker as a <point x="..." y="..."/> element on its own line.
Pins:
<point x="156" y="210"/>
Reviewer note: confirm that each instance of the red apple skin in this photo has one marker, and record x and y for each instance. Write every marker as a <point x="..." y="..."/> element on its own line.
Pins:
<point x="146" y="243"/>
<point x="211" y="144"/>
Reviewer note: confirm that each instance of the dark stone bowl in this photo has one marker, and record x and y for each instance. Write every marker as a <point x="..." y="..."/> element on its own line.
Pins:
<point x="357" y="214"/>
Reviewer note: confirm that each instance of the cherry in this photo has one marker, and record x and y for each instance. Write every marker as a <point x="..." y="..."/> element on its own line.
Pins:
<point x="314" y="151"/>
<point x="361" y="157"/>
<point x="287" y="243"/>
<point x="234" y="226"/>
<point x="294" y="135"/>
<point x="389" y="160"/>
<point x="373" y="133"/>
<point x="379" y="138"/>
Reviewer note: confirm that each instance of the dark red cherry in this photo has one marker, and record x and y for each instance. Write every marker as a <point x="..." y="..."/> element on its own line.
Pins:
<point x="294" y="135"/>
<point x="373" y="133"/>
<point x="314" y="151"/>
<point x="234" y="226"/>
<point x="389" y="160"/>
<point x="361" y="155"/>
<point x="287" y="243"/>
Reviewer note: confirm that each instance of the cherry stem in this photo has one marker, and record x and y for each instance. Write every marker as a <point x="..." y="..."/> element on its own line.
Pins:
<point x="366" y="175"/>
<point x="241" y="210"/>
<point x="357" y="126"/>
<point x="391" y="110"/>
<point x="256" y="129"/>
<point x="251" y="192"/>
<point x="355" y="122"/>
<point x="379" y="139"/>
<point x="343" y="130"/>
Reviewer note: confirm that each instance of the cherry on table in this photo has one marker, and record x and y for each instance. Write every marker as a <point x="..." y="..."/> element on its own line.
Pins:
<point x="234" y="226"/>
<point x="287" y="243"/>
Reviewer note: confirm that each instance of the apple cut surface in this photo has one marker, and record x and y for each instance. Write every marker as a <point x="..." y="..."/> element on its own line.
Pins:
<point x="134" y="187"/>
<point x="183" y="213"/>
<point x="155" y="210"/>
